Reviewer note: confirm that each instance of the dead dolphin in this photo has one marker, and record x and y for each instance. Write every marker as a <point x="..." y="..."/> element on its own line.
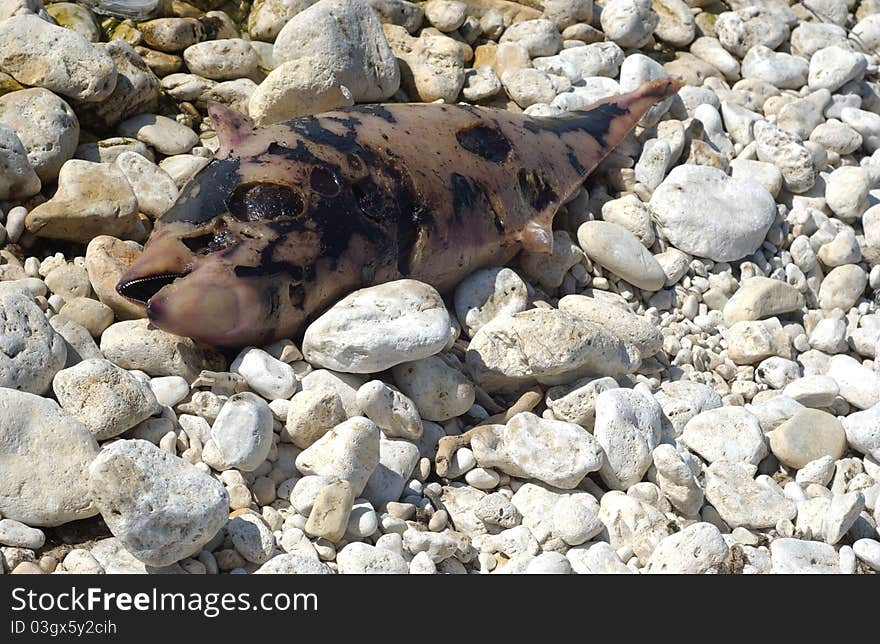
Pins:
<point x="290" y="218"/>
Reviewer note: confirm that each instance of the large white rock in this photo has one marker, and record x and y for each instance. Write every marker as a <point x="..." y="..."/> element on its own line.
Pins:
<point x="136" y="344"/>
<point x="547" y="345"/>
<point x="694" y="551"/>
<point x="799" y="557"/>
<point x="554" y="452"/>
<point x="743" y="501"/>
<point x="726" y="434"/>
<point x="160" y="507"/>
<point x="618" y="250"/>
<point x="265" y="374"/>
<point x="613" y="315"/>
<point x="346" y="38"/>
<point x="863" y="431"/>
<point x="17" y="178"/>
<point x="349" y="451"/>
<point x="628" y="429"/>
<point x="363" y="559"/>
<point x="241" y="435"/>
<point x="31" y="351"/>
<point x="437" y="386"/>
<point x="38" y="53"/>
<point x="704" y="212"/>
<point x="397" y="460"/>
<point x="44" y="457"/>
<point x="378" y="327"/>
<point x="107" y="399"/>
<point x="858" y="385"/>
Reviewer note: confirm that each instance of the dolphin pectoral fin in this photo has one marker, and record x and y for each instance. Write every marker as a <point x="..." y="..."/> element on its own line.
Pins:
<point x="231" y="127"/>
<point x="537" y="237"/>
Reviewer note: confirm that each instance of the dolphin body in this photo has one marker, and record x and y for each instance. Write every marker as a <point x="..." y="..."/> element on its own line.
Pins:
<point x="289" y="218"/>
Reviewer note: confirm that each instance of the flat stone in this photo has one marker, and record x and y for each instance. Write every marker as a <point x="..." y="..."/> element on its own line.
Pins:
<point x="726" y="434"/>
<point x="555" y="452"/>
<point x="241" y="435"/>
<point x="743" y="501"/>
<point x="160" y="507"/>
<point x="107" y="399"/>
<point x="618" y="250"/>
<point x="761" y="297"/>
<point x="693" y="551"/>
<point x="705" y="213"/>
<point x="378" y="327"/>
<point x="31" y="351"/>
<point x="808" y="435"/>
<point x="628" y="429"/>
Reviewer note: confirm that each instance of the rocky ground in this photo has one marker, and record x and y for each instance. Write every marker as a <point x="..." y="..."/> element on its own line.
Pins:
<point x="687" y="384"/>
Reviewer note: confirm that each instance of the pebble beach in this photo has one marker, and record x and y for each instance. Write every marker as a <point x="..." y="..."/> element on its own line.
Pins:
<point x="689" y="383"/>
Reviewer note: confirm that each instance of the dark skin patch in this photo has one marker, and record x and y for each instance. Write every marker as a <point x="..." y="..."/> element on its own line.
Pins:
<point x="205" y="195"/>
<point x="595" y="122"/>
<point x="262" y="201"/>
<point x="485" y="141"/>
<point x="535" y="189"/>
<point x="378" y="111"/>
<point x="324" y="181"/>
<point x="465" y="193"/>
<point x="576" y="163"/>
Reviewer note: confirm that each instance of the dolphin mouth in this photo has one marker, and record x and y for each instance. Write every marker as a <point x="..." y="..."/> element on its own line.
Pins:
<point x="141" y="289"/>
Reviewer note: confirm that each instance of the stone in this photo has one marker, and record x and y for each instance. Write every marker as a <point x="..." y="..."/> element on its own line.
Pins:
<point x="486" y="294"/>
<point x="752" y="341"/>
<point x="618" y="250"/>
<point x="431" y="66"/>
<point x="350" y="451"/>
<point x="251" y="537"/>
<point x="224" y="59"/>
<point x="842" y="287"/>
<point x="397" y="460"/>
<point x="787" y="152"/>
<point x="172" y="34"/>
<point x="688" y="208"/>
<point x="436" y="386"/>
<point x="627" y="428"/>
<point x="79" y="342"/>
<point x="378" y="327"/>
<point x="269" y="377"/>
<point x="31" y="351"/>
<point x="135" y="344"/>
<point x="638" y="69"/>
<point x="38" y="53"/>
<point x="162" y="133"/>
<point x="136" y="90"/>
<point x="106" y="399"/>
<point x="330" y="511"/>
<point x="529" y="86"/>
<point x="346" y="37"/>
<point x="739" y="31"/>
<point x="697" y="549"/>
<point x="292" y="89"/>
<point x="312" y="414"/>
<point x="726" y="434"/>
<point x="863" y="431"/>
<point x="268" y="17"/>
<point x="576" y="402"/>
<point x="153" y="188"/>
<point x="545" y="345"/>
<point x="629" y="23"/>
<point x="241" y="435"/>
<point x="344" y="385"/>
<point x="45" y="458"/>
<point x="107" y="260"/>
<point x="760" y="297"/>
<point x="17" y="178"/>
<point x="532" y="447"/>
<point x="832" y="67"/>
<point x="795" y="556"/>
<point x="676" y="480"/>
<point x="293" y="564"/>
<point x="363" y="559"/>
<point x="777" y="68"/>
<point x="395" y="414"/>
<point x="46" y="126"/>
<point x="160" y="507"/>
<point x="540" y="37"/>
<point x="743" y="501"/>
<point x="808" y="435"/>
<point x="76" y="213"/>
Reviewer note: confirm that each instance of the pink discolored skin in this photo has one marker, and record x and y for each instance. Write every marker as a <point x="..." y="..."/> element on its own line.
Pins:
<point x="289" y="218"/>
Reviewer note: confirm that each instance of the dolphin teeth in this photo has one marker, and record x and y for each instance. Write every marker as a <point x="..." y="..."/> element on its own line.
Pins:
<point x="141" y="290"/>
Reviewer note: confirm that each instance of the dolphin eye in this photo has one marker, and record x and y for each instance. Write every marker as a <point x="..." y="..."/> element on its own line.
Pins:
<point x="264" y="201"/>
